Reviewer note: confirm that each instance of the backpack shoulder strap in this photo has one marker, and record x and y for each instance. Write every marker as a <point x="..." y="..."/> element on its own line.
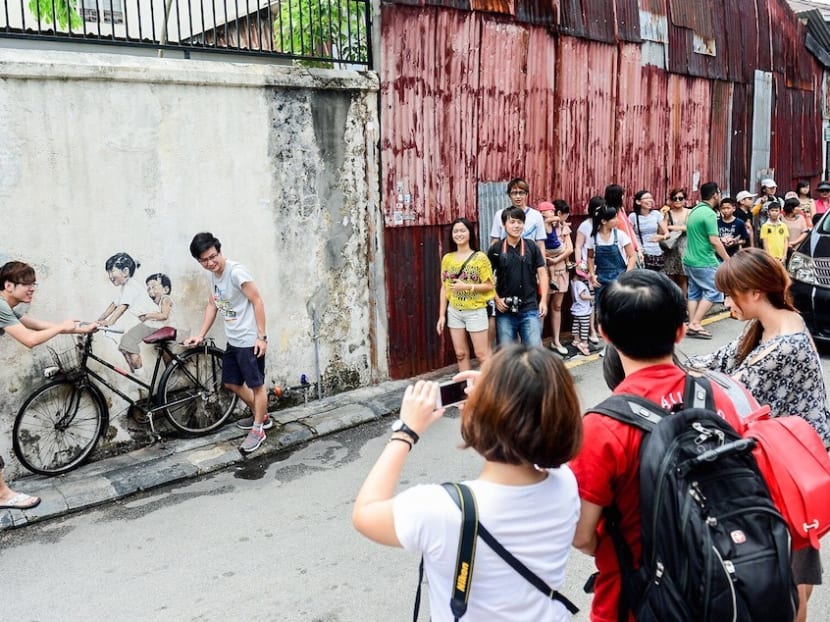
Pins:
<point x="698" y="393"/>
<point x="507" y="556"/>
<point x="631" y="409"/>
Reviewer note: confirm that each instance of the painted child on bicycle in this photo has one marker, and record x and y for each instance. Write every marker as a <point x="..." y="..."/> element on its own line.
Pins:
<point x="235" y="296"/>
<point x="18" y="288"/>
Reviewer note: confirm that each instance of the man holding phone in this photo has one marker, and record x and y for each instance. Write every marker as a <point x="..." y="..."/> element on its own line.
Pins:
<point x="521" y="277"/>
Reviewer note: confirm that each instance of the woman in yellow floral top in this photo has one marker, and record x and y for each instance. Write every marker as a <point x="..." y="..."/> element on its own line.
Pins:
<point x="466" y="286"/>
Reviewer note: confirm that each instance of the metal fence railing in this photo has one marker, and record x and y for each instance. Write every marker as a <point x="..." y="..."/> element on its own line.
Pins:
<point x="324" y="33"/>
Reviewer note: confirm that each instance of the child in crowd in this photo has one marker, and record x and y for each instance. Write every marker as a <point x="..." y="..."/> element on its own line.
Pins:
<point x="774" y="233"/>
<point x="731" y="230"/>
<point x="798" y="227"/>
<point x="581" y="309"/>
<point x="120" y="270"/>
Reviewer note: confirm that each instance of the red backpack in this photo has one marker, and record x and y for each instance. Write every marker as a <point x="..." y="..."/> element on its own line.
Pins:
<point x="793" y="460"/>
<point x="796" y="467"/>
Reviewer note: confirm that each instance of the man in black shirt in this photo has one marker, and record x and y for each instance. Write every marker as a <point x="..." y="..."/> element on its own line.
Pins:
<point x="743" y="211"/>
<point x="519" y="267"/>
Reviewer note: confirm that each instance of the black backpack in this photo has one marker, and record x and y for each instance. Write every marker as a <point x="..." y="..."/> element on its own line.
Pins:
<point x="714" y="546"/>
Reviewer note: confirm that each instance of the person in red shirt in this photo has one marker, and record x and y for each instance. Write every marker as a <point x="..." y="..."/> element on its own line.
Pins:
<point x="641" y="314"/>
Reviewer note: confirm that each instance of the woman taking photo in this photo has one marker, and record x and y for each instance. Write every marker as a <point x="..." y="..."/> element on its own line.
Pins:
<point x="610" y="251"/>
<point x="649" y="228"/>
<point x="776" y="359"/>
<point x="675" y="220"/>
<point x="523" y="417"/>
<point x="466" y="287"/>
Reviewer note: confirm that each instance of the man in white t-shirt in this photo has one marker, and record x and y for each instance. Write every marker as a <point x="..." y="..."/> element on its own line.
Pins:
<point x="234" y="296"/>
<point x="518" y="191"/>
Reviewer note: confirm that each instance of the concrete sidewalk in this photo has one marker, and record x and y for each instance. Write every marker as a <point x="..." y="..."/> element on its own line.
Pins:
<point x="177" y="459"/>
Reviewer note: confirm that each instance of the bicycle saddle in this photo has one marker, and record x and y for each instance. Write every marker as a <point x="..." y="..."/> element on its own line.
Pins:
<point x="165" y="333"/>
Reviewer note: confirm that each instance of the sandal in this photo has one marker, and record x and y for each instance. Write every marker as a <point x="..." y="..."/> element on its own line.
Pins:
<point x="700" y="333"/>
<point x="20" y="501"/>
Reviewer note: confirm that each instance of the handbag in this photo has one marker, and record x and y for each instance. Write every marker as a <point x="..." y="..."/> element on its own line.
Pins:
<point x="668" y="244"/>
<point x="469" y="533"/>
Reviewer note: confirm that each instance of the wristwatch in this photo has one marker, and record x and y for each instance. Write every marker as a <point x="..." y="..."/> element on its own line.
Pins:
<point x="400" y="426"/>
<point x="263" y="337"/>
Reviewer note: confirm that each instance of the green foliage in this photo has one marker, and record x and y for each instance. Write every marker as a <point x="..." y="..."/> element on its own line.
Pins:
<point x="63" y="10"/>
<point x="323" y="28"/>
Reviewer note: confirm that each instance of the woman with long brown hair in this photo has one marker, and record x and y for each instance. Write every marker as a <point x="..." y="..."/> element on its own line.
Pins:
<point x="776" y="359"/>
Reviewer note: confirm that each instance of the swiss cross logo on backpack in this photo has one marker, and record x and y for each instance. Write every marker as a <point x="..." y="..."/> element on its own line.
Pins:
<point x="714" y="546"/>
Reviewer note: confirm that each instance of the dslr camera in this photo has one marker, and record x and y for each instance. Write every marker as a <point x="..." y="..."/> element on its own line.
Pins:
<point x="513" y="303"/>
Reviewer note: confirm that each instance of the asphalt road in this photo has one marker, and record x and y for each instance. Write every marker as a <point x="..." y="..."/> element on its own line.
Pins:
<point x="266" y="540"/>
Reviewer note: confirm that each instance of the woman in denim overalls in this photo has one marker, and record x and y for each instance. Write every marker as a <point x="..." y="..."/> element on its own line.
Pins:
<point x="605" y="260"/>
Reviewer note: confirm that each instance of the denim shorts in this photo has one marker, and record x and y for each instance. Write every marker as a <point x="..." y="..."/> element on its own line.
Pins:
<point x="702" y="284"/>
<point x="240" y="366"/>
<point x="472" y="320"/>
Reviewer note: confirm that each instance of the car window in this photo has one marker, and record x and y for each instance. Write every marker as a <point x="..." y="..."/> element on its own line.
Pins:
<point x="825" y="226"/>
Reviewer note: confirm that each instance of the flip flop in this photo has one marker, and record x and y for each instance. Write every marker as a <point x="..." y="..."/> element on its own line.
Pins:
<point x="698" y="334"/>
<point x="21" y="501"/>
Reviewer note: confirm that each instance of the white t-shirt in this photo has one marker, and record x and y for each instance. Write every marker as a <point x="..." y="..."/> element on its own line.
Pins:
<point x="233" y="305"/>
<point x="534" y="226"/>
<point x="536" y="523"/>
<point x="585" y="229"/>
<point x="136" y="298"/>
<point x="622" y="241"/>
<point x="649" y="227"/>
<point x="579" y="307"/>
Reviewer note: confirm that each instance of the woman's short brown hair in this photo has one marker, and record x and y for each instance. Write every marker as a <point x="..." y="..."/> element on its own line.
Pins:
<point x="523" y="409"/>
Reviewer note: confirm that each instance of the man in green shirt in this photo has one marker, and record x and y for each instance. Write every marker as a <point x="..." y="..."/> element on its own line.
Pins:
<point x="700" y="261"/>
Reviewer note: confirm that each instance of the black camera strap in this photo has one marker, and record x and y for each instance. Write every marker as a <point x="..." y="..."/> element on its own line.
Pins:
<point x="464" y="265"/>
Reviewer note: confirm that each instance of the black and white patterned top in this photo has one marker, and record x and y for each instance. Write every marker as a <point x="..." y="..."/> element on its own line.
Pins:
<point x="783" y="372"/>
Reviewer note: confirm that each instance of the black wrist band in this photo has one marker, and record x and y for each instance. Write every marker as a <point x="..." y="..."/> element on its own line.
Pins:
<point x="403" y="440"/>
<point x="400" y="426"/>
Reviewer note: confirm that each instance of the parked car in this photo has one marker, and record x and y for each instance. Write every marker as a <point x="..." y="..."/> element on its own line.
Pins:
<point x="809" y="269"/>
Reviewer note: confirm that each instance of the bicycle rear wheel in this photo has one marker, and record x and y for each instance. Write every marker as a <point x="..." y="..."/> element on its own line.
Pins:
<point x="192" y="387"/>
<point x="57" y="427"/>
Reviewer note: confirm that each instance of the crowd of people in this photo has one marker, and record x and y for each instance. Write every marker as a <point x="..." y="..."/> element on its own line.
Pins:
<point x="535" y="261"/>
<point x="550" y="476"/>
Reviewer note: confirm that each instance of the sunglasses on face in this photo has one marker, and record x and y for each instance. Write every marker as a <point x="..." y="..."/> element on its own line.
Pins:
<point x="678" y="198"/>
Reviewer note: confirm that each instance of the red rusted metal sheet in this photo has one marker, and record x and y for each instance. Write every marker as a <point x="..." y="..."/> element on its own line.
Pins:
<point x="493" y="6"/>
<point x="429" y="90"/>
<point x="583" y="151"/>
<point x="413" y="265"/>
<point x="628" y="20"/>
<point x="688" y="146"/>
<point x="742" y="41"/>
<point x="796" y="137"/>
<point x="538" y="12"/>
<point x="540" y="102"/>
<point x="588" y="19"/>
<point x="696" y="46"/>
<point x="720" y="122"/>
<point x="740" y="177"/>
<point x="501" y="105"/>
<point x="641" y="125"/>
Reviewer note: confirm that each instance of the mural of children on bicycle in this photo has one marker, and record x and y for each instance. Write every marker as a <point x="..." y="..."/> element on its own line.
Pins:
<point x="152" y="306"/>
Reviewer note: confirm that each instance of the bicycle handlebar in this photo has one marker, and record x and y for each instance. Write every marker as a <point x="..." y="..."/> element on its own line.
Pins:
<point x="104" y="329"/>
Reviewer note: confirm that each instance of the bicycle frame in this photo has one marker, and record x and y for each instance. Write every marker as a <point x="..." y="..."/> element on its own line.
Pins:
<point x="161" y="348"/>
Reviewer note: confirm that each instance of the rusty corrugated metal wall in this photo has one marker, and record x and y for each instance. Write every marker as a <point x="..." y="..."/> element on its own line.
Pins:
<point x="573" y="95"/>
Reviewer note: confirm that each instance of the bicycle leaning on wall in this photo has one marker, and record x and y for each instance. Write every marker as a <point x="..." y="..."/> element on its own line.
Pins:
<point x="60" y="423"/>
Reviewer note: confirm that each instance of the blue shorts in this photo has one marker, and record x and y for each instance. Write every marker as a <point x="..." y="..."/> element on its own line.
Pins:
<point x="240" y="366"/>
<point x="702" y="284"/>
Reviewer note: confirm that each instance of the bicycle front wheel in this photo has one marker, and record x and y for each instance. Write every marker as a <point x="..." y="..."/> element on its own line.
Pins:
<point x="57" y="427"/>
<point x="191" y="388"/>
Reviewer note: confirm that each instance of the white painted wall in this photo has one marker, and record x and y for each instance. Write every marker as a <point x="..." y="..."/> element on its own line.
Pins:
<point x="106" y="153"/>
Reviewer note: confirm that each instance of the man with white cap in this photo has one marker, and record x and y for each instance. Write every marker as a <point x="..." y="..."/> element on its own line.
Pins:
<point x="823" y="200"/>
<point x="743" y="211"/>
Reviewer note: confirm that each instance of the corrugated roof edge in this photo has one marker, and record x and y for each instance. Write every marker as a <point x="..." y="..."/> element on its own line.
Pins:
<point x="818" y="35"/>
